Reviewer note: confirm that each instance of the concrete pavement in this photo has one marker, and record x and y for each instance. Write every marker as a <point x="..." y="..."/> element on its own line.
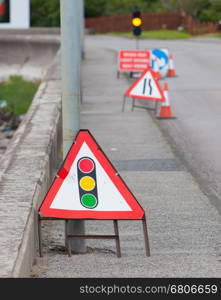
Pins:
<point x="184" y="227"/>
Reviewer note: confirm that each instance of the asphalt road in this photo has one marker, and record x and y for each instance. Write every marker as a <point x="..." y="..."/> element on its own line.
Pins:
<point x="195" y="97"/>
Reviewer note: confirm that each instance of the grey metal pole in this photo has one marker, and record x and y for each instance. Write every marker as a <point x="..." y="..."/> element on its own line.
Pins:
<point x="71" y="61"/>
<point x="137" y="43"/>
<point x="82" y="28"/>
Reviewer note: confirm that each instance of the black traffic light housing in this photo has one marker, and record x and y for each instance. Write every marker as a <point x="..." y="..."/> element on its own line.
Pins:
<point x="136" y="21"/>
<point x="87" y="182"/>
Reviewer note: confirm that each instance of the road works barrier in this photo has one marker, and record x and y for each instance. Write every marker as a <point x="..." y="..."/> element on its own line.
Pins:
<point x="137" y="61"/>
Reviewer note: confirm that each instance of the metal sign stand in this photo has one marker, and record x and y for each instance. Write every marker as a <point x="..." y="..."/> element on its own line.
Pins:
<point x="68" y="236"/>
<point x="138" y="106"/>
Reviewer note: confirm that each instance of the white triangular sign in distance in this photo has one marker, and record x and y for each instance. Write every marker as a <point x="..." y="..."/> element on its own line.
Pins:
<point x="146" y="87"/>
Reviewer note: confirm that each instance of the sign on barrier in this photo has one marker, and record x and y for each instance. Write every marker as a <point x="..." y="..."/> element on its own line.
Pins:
<point x="133" y="60"/>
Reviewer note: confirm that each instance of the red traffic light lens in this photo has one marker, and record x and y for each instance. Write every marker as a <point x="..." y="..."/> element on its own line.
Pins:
<point x="86" y="165"/>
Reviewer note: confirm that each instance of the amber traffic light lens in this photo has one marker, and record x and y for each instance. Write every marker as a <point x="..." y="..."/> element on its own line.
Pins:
<point x="136" y="22"/>
<point x="87" y="183"/>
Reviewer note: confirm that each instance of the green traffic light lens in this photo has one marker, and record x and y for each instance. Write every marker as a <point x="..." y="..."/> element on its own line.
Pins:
<point x="89" y="201"/>
<point x="137" y="31"/>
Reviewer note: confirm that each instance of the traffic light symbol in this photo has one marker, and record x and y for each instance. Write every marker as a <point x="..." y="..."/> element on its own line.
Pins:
<point x="136" y="22"/>
<point x="87" y="182"/>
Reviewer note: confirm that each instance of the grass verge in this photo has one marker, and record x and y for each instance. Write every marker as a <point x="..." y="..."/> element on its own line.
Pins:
<point x="18" y="93"/>
<point x="156" y="34"/>
<point x="217" y="35"/>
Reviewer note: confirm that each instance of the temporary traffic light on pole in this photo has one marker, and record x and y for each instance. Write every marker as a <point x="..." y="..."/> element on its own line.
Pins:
<point x="136" y="21"/>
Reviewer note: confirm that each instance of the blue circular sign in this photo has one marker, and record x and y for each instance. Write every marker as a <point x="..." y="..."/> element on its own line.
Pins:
<point x="163" y="60"/>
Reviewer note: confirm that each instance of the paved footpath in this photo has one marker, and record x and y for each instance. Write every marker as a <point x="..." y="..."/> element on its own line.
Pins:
<point x="184" y="228"/>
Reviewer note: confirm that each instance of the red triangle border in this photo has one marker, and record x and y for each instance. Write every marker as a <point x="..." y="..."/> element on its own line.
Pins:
<point x="127" y="94"/>
<point x="137" y="212"/>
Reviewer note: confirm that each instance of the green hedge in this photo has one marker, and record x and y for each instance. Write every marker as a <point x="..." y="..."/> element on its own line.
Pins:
<point x="46" y="13"/>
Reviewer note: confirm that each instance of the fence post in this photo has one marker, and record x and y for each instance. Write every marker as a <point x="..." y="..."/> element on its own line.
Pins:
<point x="189" y="24"/>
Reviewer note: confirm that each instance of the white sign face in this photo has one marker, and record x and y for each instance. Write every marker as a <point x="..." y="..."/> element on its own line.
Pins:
<point x="146" y="87"/>
<point x="15" y="14"/>
<point x="88" y="187"/>
<point x="68" y="197"/>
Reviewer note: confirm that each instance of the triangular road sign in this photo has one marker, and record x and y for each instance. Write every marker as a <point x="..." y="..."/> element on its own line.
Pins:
<point x="146" y="87"/>
<point x="88" y="187"/>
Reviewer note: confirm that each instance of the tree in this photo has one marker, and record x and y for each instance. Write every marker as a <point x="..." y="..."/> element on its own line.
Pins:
<point x="189" y="7"/>
<point x="126" y="6"/>
<point x="193" y="8"/>
<point x="94" y="8"/>
<point x="212" y="13"/>
<point x="170" y="5"/>
<point x="45" y="13"/>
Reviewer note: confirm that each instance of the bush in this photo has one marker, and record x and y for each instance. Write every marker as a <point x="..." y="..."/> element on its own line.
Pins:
<point x="213" y="13"/>
<point x="114" y="7"/>
<point x="45" y="13"/>
<point x="94" y="8"/>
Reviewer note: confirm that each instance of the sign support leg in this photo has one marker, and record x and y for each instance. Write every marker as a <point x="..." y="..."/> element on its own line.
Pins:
<point x="116" y="231"/>
<point x="124" y="101"/>
<point x="157" y="107"/>
<point x="133" y="104"/>
<point x="39" y="236"/>
<point x="146" y="239"/>
<point x="67" y="241"/>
